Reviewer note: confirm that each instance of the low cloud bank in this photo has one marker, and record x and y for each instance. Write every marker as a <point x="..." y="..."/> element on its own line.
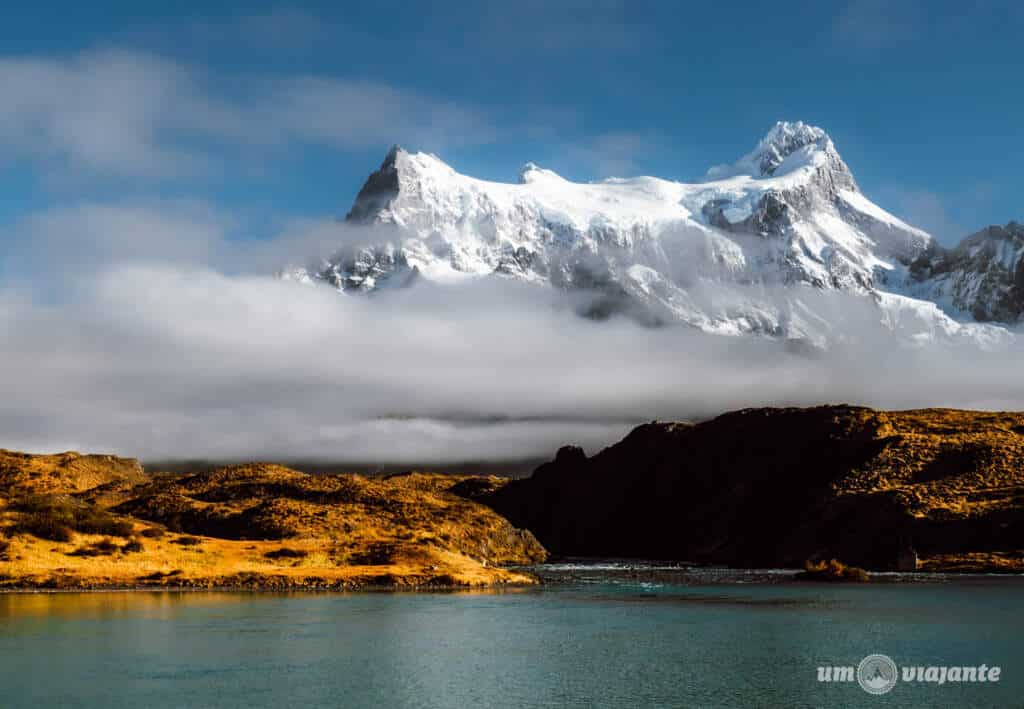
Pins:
<point x="182" y="361"/>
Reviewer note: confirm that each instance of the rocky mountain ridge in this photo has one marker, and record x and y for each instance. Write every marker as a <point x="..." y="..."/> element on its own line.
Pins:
<point x="745" y="251"/>
<point x="982" y="276"/>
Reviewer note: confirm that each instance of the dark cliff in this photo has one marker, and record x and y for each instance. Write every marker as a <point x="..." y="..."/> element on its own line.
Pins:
<point x="774" y="487"/>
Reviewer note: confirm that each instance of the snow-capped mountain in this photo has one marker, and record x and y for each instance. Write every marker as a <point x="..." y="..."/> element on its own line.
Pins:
<point x="736" y="253"/>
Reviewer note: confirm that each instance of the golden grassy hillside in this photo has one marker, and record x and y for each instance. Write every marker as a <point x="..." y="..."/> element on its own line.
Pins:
<point x="69" y="472"/>
<point x="944" y="461"/>
<point x="70" y="521"/>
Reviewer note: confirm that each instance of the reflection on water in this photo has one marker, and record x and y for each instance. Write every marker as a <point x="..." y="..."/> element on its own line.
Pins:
<point x="156" y="604"/>
<point x="165" y="605"/>
<point x="596" y="638"/>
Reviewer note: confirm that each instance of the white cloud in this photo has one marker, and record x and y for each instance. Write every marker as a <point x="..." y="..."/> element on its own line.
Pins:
<point x="100" y="110"/>
<point x="872" y="25"/>
<point x="280" y="28"/>
<point x="64" y="246"/>
<point x="932" y="28"/>
<point x="928" y="211"/>
<point x="559" y="27"/>
<point x="612" y="154"/>
<point x="85" y="237"/>
<point x="943" y="215"/>
<point x="150" y="349"/>
<point x="130" y="113"/>
<point x="352" y="114"/>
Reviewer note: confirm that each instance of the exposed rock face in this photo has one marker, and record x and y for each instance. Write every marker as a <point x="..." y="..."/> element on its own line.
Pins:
<point x="380" y="189"/>
<point x="368" y="268"/>
<point x="983" y="275"/>
<point x="775" y="487"/>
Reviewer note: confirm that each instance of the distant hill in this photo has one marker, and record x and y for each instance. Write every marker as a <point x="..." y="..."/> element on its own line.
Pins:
<point x="509" y="468"/>
<point x="67" y="472"/>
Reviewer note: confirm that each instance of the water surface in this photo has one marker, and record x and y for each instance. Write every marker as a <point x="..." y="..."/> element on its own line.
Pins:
<point x="604" y="636"/>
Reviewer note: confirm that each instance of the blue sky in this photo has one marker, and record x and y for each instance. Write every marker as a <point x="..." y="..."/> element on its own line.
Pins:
<point x="271" y="112"/>
<point x="156" y="159"/>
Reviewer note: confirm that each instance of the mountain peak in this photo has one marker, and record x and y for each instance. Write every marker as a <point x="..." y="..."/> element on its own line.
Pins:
<point x="400" y="160"/>
<point x="531" y="172"/>
<point x="400" y="168"/>
<point x="392" y="156"/>
<point x="788" y="146"/>
<point x="783" y="140"/>
<point x="380" y="187"/>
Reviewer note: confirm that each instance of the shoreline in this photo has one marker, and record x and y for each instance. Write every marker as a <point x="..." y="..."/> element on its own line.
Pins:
<point x="277" y="582"/>
<point x="370" y="588"/>
<point x="533" y="577"/>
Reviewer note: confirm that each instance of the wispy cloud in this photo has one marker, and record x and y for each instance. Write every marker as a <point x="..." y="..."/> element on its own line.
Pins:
<point x="612" y="154"/>
<point x="557" y="27"/>
<point x="129" y="113"/>
<point x="936" y="212"/>
<point x="63" y="247"/>
<point x="349" y="114"/>
<point x="78" y="240"/>
<point x="928" y="211"/>
<point x="105" y="111"/>
<point x="878" y="24"/>
<point x="279" y="28"/>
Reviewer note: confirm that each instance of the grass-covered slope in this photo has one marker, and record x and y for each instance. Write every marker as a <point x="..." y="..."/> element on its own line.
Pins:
<point x="70" y="472"/>
<point x="252" y="525"/>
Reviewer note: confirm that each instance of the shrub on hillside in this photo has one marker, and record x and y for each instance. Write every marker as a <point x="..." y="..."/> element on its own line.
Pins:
<point x="132" y="546"/>
<point x="104" y="547"/>
<point x="285" y="553"/>
<point x="44" y="526"/>
<point x="57" y="518"/>
<point x="97" y="521"/>
<point x="188" y="541"/>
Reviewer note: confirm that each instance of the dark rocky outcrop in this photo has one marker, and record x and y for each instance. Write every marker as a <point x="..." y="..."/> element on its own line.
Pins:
<point x="379" y="189"/>
<point x="775" y="487"/>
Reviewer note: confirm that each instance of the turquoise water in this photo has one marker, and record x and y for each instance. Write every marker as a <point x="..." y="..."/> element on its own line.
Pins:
<point x="593" y="639"/>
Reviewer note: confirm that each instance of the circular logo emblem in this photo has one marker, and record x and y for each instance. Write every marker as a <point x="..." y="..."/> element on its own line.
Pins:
<point x="876" y="674"/>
